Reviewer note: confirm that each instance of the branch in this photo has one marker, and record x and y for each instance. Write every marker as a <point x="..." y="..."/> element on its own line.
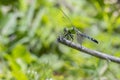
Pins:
<point x="88" y="51"/>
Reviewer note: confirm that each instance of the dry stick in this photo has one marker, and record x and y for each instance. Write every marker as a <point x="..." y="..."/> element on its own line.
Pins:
<point x="88" y="51"/>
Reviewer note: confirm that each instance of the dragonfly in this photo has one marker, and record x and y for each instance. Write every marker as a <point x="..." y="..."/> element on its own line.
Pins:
<point x="70" y="32"/>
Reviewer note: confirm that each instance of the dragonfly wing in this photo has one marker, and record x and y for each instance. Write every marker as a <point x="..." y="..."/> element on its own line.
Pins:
<point x="79" y="38"/>
<point x="81" y="35"/>
<point x="90" y="38"/>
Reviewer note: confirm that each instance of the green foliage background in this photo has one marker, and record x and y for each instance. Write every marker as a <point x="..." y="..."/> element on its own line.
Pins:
<point x="28" y="40"/>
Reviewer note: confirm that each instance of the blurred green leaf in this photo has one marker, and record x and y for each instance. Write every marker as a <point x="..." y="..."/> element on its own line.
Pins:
<point x="28" y="39"/>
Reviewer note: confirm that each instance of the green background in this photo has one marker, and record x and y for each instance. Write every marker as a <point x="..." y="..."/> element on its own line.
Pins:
<point x="28" y="39"/>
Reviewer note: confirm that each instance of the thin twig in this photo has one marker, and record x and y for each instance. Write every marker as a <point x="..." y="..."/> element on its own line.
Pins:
<point x="88" y="51"/>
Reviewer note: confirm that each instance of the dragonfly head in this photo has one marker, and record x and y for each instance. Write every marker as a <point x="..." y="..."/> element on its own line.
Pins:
<point x="57" y="5"/>
<point x="72" y="30"/>
<point x="66" y="30"/>
<point x="69" y="30"/>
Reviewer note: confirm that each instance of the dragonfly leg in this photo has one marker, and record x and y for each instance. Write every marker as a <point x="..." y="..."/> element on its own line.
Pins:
<point x="71" y="36"/>
<point x="68" y="36"/>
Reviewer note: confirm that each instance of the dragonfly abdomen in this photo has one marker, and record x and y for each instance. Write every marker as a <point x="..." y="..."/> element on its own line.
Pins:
<point x="90" y="38"/>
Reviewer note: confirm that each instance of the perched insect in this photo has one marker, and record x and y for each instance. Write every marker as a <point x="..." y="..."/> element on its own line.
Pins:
<point x="70" y="32"/>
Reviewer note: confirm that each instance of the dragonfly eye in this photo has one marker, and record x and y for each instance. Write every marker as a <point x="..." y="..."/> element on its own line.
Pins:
<point x="65" y="30"/>
<point x="57" y="5"/>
